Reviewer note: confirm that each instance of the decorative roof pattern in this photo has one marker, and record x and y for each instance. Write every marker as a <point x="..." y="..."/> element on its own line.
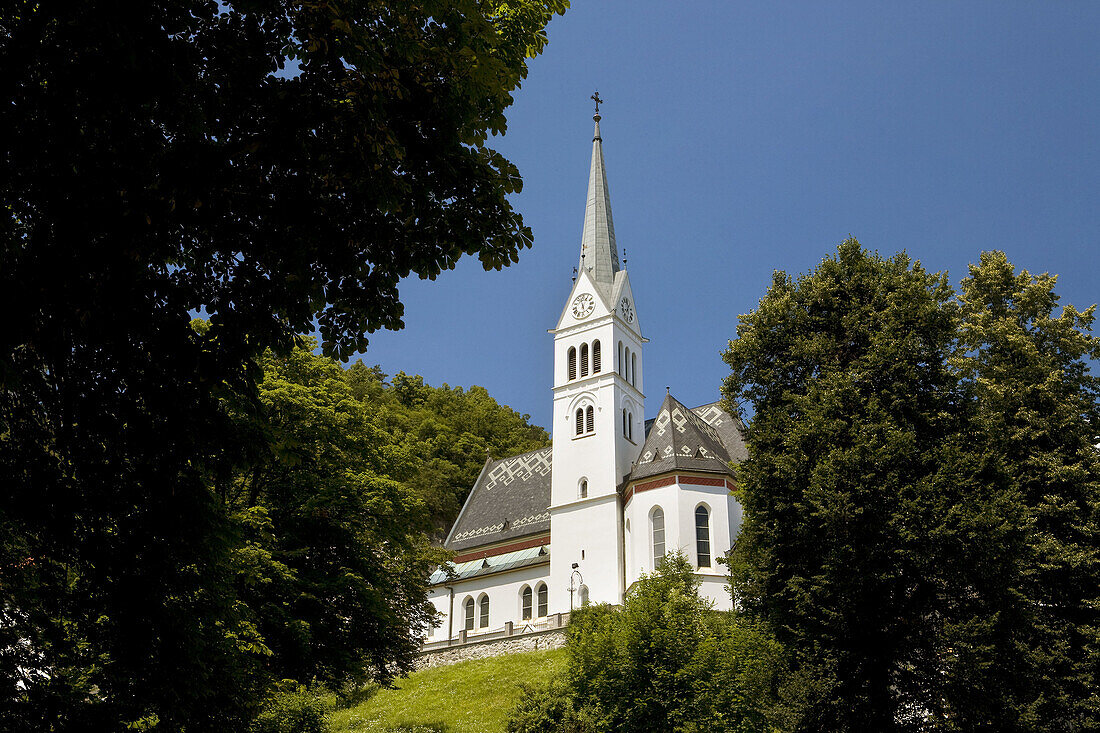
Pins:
<point x="510" y="499"/>
<point x="681" y="438"/>
<point x="599" y="255"/>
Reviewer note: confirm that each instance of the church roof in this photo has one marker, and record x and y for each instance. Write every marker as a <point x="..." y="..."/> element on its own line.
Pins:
<point x="510" y="499"/>
<point x="599" y="255"/>
<point x="704" y="439"/>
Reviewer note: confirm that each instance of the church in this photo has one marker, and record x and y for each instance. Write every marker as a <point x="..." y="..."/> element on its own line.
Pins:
<point x="548" y="531"/>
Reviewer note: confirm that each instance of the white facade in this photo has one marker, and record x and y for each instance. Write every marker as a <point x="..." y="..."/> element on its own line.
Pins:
<point x="595" y="513"/>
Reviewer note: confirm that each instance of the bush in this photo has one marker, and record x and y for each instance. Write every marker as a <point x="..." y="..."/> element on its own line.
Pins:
<point x="294" y="708"/>
<point x="665" y="661"/>
<point x="549" y="709"/>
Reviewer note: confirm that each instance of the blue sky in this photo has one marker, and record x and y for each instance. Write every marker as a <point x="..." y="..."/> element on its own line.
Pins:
<point x="741" y="138"/>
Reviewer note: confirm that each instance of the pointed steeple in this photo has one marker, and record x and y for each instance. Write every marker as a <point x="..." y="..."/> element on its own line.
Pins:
<point x="599" y="255"/>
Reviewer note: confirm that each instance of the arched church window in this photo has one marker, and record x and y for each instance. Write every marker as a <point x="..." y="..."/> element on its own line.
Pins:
<point x="584" y="488"/>
<point x="572" y="363"/>
<point x="624" y="421"/>
<point x="625" y="368"/>
<point x="657" y="523"/>
<point x="542" y="600"/>
<point x="702" y="536"/>
<point x="584" y="594"/>
<point x="633" y="368"/>
<point x="580" y="421"/>
<point x="589" y="419"/>
<point x="620" y="362"/>
<point x="584" y="360"/>
<point x="630" y="425"/>
<point x="595" y="357"/>
<point x="483" y="607"/>
<point x="526" y="603"/>
<point x="469" y="626"/>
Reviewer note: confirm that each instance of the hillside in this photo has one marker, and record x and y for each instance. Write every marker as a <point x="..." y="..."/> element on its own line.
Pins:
<point x="469" y="697"/>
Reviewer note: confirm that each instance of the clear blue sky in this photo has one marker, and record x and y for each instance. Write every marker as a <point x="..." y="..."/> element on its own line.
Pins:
<point x="741" y="138"/>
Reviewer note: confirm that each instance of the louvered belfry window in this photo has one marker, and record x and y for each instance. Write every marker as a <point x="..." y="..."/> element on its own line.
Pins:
<point x="584" y="360"/>
<point x="572" y="363"/>
<point x="595" y="357"/>
<point x="580" y="422"/>
<point x="589" y="419"/>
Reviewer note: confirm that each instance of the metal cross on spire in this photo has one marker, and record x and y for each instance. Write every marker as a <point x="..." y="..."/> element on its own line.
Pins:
<point x="596" y="98"/>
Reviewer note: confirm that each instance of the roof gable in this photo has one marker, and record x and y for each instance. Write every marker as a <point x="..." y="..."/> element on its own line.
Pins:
<point x="510" y="499"/>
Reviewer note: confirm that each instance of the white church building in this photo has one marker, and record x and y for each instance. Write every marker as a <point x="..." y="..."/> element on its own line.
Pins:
<point x="547" y="531"/>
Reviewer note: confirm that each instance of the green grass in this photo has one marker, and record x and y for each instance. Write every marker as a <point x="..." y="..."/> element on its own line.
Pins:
<point x="468" y="697"/>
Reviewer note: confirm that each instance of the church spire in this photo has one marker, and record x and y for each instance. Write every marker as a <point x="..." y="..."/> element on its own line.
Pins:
<point x="599" y="255"/>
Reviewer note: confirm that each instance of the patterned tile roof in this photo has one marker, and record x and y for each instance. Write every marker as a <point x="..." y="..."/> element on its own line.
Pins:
<point x="704" y="439"/>
<point x="510" y="499"/>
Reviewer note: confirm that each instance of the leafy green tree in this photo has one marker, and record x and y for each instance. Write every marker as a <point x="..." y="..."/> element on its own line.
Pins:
<point x="664" y="661"/>
<point x="857" y="465"/>
<point x="1028" y="656"/>
<point x="279" y="166"/>
<point x="335" y="558"/>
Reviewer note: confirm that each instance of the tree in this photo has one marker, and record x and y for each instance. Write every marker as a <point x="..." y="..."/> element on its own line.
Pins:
<point x="278" y="166"/>
<point x="1033" y="661"/>
<point x="857" y="462"/>
<point x="664" y="661"/>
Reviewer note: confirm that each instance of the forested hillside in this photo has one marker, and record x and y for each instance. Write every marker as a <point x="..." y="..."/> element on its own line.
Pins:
<point x="445" y="432"/>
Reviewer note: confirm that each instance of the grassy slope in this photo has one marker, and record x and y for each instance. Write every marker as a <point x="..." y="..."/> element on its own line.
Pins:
<point x="469" y="697"/>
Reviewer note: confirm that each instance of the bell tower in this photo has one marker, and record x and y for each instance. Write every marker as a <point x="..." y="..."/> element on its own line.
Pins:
<point x="598" y="426"/>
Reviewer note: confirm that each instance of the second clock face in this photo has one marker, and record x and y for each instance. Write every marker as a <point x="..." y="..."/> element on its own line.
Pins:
<point x="627" y="310"/>
<point x="583" y="305"/>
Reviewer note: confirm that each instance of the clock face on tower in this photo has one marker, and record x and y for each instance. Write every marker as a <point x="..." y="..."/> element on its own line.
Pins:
<point x="627" y="310"/>
<point x="583" y="305"/>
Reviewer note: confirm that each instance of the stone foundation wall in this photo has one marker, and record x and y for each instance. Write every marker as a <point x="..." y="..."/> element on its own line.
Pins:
<point x="553" y="639"/>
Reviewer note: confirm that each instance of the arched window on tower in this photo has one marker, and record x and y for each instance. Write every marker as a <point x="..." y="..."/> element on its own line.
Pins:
<point x="630" y="425"/>
<point x="542" y="597"/>
<point x="589" y="419"/>
<point x="657" y="525"/>
<point x="483" y="606"/>
<point x="469" y="625"/>
<point x="702" y="536"/>
<point x="526" y="603"/>
<point x="633" y="369"/>
<point x="584" y="488"/>
<point x="584" y="360"/>
<point x="625" y="370"/>
<point x="595" y="357"/>
<point x="619" y="366"/>
<point x="580" y="421"/>
<point x="624" y="422"/>
<point x="572" y="363"/>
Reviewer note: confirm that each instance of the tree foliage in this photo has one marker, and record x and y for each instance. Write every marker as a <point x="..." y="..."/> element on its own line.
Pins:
<point x="279" y="166"/>
<point x="920" y="496"/>
<point x="1032" y="659"/>
<point x="664" y="661"/>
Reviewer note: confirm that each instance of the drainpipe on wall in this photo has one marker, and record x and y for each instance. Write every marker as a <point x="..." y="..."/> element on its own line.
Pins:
<point x="451" y="613"/>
